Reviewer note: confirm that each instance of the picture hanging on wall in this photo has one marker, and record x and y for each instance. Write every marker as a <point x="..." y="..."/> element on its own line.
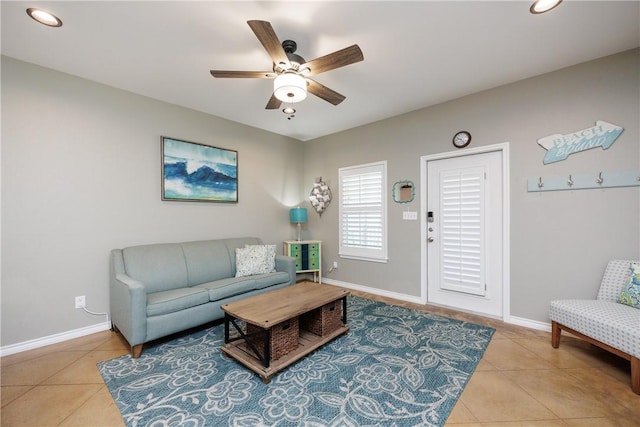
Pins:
<point x="193" y="172"/>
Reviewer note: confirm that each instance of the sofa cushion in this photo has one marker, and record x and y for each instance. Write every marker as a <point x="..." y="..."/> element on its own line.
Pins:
<point x="207" y="261"/>
<point x="175" y="300"/>
<point x="606" y="321"/>
<point x="229" y="287"/>
<point x="270" y="279"/>
<point x="614" y="278"/>
<point x="160" y="267"/>
<point x="630" y="294"/>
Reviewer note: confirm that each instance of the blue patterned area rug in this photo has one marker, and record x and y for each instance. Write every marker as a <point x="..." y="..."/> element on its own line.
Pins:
<point x="395" y="367"/>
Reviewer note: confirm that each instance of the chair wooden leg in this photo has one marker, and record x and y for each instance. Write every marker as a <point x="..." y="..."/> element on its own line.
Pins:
<point x="555" y="334"/>
<point x="136" y="351"/>
<point x="635" y="375"/>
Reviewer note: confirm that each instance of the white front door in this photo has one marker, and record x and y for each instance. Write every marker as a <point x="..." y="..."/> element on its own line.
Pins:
<point x="464" y="232"/>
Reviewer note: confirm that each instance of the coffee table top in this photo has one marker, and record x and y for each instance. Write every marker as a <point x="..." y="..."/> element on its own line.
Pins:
<point x="273" y="307"/>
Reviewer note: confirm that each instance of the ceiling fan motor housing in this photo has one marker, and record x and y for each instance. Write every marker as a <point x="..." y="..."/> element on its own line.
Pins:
<point x="290" y="47"/>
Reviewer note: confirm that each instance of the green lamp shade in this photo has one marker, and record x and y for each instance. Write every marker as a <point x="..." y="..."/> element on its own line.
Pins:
<point x="298" y="215"/>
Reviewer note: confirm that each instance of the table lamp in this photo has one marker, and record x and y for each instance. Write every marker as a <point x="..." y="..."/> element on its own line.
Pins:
<point x="298" y="216"/>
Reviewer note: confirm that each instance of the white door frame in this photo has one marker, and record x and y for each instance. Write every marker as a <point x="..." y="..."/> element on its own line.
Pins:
<point x="506" y="247"/>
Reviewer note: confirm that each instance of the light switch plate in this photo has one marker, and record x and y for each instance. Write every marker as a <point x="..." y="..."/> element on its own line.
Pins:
<point x="410" y="215"/>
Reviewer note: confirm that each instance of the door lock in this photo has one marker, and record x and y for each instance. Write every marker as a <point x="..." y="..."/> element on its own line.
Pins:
<point x="430" y="239"/>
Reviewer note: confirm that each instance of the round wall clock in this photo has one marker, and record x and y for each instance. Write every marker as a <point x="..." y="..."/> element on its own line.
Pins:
<point x="461" y="139"/>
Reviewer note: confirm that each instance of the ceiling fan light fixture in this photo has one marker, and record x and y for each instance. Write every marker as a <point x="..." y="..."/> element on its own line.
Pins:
<point x="290" y="87"/>
<point x="289" y="110"/>
<point x="44" y="17"/>
<point x="542" y="6"/>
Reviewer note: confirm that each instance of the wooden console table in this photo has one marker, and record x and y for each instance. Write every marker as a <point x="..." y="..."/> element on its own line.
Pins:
<point x="265" y="311"/>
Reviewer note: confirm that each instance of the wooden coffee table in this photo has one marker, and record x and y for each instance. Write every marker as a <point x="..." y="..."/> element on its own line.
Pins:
<point x="265" y="311"/>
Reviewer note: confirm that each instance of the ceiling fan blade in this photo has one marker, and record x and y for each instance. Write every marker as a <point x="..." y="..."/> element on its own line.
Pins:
<point x="267" y="36"/>
<point x="243" y="74"/>
<point x="273" y="103"/>
<point x="324" y="92"/>
<point x="337" y="59"/>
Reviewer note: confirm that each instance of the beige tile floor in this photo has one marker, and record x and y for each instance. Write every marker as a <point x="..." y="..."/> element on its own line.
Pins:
<point x="521" y="381"/>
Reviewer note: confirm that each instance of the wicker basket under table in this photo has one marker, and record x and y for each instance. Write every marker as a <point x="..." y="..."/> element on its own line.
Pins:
<point x="323" y="320"/>
<point x="284" y="338"/>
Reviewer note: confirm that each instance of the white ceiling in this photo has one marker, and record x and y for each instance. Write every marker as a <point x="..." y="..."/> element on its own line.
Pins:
<point x="416" y="54"/>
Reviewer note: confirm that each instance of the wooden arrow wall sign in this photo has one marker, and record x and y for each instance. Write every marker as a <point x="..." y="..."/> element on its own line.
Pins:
<point x="559" y="147"/>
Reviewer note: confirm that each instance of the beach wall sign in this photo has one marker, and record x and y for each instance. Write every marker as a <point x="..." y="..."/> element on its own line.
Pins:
<point x="559" y="147"/>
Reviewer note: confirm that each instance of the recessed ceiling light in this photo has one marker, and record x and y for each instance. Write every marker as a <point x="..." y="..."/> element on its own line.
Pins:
<point x="542" y="6"/>
<point x="44" y="17"/>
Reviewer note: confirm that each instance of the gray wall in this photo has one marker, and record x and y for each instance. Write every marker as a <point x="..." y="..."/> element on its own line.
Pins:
<point x="560" y="241"/>
<point x="81" y="175"/>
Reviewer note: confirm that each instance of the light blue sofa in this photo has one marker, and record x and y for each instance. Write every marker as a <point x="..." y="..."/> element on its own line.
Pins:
<point x="160" y="289"/>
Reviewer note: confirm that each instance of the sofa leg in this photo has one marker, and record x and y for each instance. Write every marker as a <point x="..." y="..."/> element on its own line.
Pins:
<point x="635" y="375"/>
<point x="555" y="334"/>
<point x="136" y="351"/>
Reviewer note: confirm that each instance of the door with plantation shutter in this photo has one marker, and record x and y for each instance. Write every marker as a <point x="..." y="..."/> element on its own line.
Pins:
<point x="464" y="238"/>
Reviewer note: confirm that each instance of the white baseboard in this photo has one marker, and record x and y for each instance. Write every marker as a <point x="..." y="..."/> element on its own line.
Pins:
<point x="531" y="324"/>
<point x="381" y="292"/>
<point x="77" y="333"/>
<point x="54" y="339"/>
<point x="527" y="323"/>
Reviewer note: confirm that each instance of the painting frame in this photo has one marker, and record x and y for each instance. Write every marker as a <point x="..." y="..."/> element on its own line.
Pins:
<point x="195" y="172"/>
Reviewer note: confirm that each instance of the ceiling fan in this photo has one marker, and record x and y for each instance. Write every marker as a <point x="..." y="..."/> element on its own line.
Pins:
<point x="291" y="72"/>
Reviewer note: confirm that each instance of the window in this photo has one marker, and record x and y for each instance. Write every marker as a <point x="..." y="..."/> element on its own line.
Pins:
<point x="363" y="212"/>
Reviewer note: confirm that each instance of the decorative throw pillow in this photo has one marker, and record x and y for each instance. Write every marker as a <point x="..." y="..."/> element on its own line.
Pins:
<point x="630" y="294"/>
<point x="269" y="257"/>
<point x="255" y="259"/>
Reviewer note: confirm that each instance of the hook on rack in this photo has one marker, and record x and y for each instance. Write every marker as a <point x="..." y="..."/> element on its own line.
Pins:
<point x="599" y="179"/>
<point x="540" y="183"/>
<point x="570" y="181"/>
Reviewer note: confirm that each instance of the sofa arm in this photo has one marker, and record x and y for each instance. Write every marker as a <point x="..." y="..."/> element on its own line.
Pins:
<point x="287" y="264"/>
<point x="128" y="303"/>
<point x="129" y="308"/>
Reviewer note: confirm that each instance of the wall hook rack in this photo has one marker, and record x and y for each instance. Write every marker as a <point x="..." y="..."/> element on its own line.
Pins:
<point x="585" y="181"/>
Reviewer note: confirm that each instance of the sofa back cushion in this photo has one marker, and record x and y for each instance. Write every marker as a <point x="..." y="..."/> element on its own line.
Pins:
<point x="166" y="266"/>
<point x="207" y="260"/>
<point x="160" y="267"/>
<point x="615" y="277"/>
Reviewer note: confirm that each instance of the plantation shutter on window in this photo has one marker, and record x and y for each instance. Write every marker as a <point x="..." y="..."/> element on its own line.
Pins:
<point x="363" y="212"/>
<point x="462" y="230"/>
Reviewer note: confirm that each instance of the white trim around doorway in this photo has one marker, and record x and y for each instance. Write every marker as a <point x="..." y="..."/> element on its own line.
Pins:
<point x="504" y="149"/>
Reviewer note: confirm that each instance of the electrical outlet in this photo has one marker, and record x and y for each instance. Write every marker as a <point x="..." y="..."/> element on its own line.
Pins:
<point x="80" y="301"/>
<point x="335" y="264"/>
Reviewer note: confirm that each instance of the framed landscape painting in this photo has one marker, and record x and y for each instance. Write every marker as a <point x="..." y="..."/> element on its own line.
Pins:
<point x="195" y="172"/>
